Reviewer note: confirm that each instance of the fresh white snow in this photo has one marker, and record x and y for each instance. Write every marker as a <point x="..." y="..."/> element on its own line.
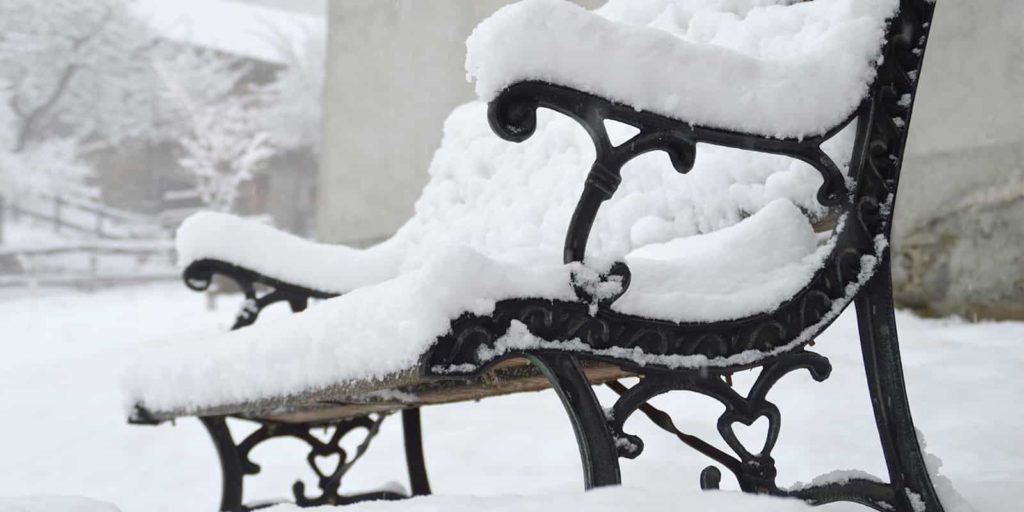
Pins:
<point x="490" y="225"/>
<point x="730" y="239"/>
<point x="260" y="247"/>
<point x="512" y="202"/>
<point x="64" y="428"/>
<point x="234" y="27"/>
<point x="383" y="329"/>
<point x="618" y="499"/>
<point x="760" y="66"/>
<point x="51" y="503"/>
<point x="370" y="332"/>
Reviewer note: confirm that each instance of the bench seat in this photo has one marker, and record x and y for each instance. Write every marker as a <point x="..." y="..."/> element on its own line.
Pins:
<point x="389" y="393"/>
<point x="379" y="333"/>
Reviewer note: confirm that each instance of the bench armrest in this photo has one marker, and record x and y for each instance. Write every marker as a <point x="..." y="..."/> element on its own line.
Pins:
<point x="251" y="253"/>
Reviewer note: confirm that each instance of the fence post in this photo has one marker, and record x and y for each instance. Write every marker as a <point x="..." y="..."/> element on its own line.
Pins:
<point x="58" y="205"/>
<point x="99" y="224"/>
<point x="93" y="268"/>
<point x="3" y="211"/>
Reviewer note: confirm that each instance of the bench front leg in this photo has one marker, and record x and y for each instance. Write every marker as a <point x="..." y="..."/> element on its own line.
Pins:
<point x="884" y="371"/>
<point x="597" y="447"/>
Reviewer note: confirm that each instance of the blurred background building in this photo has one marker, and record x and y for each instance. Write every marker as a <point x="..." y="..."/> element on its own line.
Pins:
<point x="395" y="71"/>
<point x="960" y="232"/>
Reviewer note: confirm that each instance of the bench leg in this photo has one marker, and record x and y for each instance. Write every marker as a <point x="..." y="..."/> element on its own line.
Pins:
<point x="597" y="448"/>
<point x="230" y="463"/>
<point x="412" y="430"/>
<point x="236" y="464"/>
<point x="880" y="346"/>
<point x="601" y="439"/>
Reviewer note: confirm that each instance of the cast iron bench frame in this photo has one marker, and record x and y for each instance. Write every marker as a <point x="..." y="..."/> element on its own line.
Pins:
<point x="882" y="122"/>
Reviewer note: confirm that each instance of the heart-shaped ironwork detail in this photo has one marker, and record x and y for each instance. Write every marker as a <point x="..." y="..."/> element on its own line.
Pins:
<point x="727" y="428"/>
<point x="325" y="465"/>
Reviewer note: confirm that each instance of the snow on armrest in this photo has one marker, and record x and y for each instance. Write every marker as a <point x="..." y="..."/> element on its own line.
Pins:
<point x="283" y="256"/>
<point x="758" y="67"/>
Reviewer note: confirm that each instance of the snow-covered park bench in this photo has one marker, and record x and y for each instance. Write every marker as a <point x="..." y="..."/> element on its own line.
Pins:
<point x="584" y="257"/>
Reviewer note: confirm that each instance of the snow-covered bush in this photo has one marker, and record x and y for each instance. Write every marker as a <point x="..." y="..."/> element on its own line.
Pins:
<point x="220" y="137"/>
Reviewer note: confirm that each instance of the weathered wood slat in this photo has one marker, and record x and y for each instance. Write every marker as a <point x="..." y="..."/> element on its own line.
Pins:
<point x="394" y="392"/>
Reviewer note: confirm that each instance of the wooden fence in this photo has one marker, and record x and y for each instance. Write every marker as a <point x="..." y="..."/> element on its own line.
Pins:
<point x="108" y="246"/>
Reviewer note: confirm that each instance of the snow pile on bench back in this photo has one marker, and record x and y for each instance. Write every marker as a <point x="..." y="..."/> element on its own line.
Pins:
<point x="513" y="202"/>
<point x="759" y="66"/>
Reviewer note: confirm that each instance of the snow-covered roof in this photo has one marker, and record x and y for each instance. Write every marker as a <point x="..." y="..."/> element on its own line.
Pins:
<point x="232" y="27"/>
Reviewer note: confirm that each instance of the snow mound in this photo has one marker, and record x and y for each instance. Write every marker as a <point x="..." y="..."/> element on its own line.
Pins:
<point x="731" y="238"/>
<point x="749" y="268"/>
<point x="256" y="246"/>
<point x="609" y="499"/>
<point x="54" y="504"/>
<point x="369" y="333"/>
<point x="772" y="67"/>
<point x="379" y="330"/>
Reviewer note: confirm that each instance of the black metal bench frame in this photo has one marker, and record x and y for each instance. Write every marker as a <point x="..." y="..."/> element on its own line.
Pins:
<point x="882" y="123"/>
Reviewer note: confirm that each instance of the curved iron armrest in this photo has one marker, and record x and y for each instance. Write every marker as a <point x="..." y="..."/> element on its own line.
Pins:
<point x="860" y="241"/>
<point x="260" y="290"/>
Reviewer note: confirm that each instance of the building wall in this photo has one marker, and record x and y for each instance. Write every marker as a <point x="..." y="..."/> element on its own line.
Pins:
<point x="395" y="71"/>
<point x="959" y="236"/>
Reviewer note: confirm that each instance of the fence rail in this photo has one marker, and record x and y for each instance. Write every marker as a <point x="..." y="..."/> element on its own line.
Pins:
<point x="106" y="246"/>
<point x="82" y="217"/>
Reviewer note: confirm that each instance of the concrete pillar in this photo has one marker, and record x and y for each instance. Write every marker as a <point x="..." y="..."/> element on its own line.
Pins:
<point x="959" y="236"/>
<point x="395" y="71"/>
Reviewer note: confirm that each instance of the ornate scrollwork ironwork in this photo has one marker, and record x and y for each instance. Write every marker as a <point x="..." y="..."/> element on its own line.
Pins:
<point x="754" y="471"/>
<point x="513" y="116"/>
<point x="259" y="290"/>
<point x="323" y="450"/>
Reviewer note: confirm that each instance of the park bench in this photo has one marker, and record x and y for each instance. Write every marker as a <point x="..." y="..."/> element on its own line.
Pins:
<point x="465" y="303"/>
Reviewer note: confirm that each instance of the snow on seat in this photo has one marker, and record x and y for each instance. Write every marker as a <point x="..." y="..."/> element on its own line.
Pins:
<point x="770" y="67"/>
<point x="729" y="239"/>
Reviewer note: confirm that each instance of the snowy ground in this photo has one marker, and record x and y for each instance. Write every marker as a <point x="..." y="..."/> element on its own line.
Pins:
<point x="64" y="430"/>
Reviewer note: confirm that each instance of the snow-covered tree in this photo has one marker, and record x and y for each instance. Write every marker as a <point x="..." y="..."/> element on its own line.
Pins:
<point x="292" y="104"/>
<point x="52" y="166"/>
<point x="81" y="76"/>
<point x="223" y="151"/>
<point x="74" y="69"/>
<point x="223" y="144"/>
